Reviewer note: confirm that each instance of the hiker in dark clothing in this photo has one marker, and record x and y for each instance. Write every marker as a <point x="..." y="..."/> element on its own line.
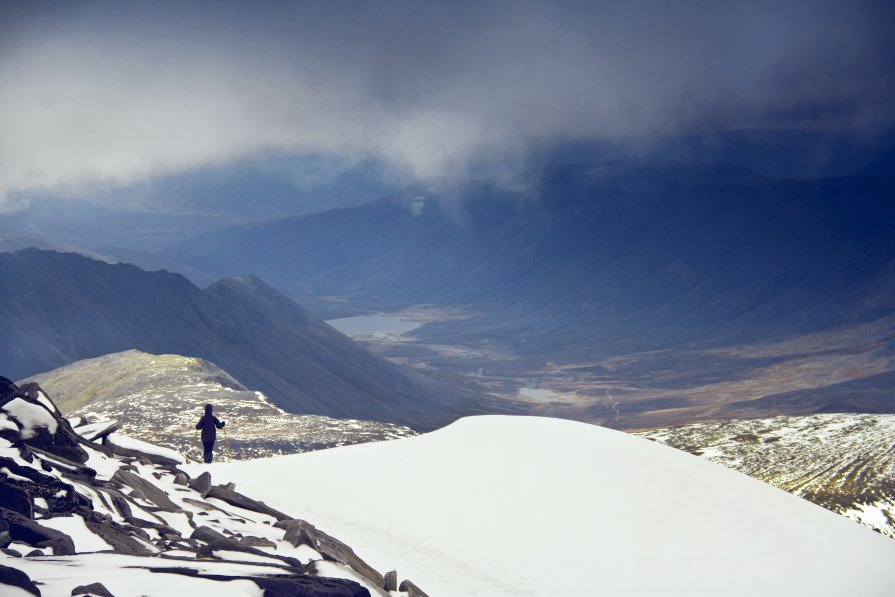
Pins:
<point x="209" y="424"/>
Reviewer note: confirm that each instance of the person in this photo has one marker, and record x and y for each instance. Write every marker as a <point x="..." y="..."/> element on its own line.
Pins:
<point x="209" y="424"/>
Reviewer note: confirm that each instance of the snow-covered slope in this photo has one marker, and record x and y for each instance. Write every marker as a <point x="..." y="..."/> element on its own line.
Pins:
<point x="843" y="461"/>
<point x="530" y="506"/>
<point x="74" y="512"/>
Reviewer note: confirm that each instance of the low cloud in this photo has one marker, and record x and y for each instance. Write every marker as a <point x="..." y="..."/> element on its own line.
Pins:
<point x="104" y="95"/>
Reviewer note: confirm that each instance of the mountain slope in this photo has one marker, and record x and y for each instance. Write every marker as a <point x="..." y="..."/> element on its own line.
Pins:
<point x="842" y="462"/>
<point x="531" y="506"/>
<point x="159" y="398"/>
<point x="57" y="308"/>
<point x="639" y="246"/>
<point x="82" y="511"/>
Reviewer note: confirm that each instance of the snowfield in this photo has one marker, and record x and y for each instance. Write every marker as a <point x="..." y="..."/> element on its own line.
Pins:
<point x="516" y="506"/>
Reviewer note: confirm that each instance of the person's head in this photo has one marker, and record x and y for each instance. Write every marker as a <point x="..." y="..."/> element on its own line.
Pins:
<point x="207" y="409"/>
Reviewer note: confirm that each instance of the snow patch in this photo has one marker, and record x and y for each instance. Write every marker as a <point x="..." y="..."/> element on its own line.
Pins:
<point x="606" y="513"/>
<point x="84" y="539"/>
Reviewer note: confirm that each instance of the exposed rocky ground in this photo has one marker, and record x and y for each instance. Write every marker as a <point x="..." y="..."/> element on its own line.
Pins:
<point x="114" y="516"/>
<point x="159" y="399"/>
<point x="843" y="462"/>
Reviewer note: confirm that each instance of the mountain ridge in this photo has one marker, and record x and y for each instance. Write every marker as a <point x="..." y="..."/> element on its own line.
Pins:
<point x="58" y="308"/>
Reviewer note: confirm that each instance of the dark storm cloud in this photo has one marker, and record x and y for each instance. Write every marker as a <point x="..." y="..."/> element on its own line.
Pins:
<point x="104" y="94"/>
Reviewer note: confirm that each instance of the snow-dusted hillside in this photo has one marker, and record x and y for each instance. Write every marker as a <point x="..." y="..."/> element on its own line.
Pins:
<point x="843" y="462"/>
<point x="530" y="506"/>
<point x="74" y="512"/>
<point x="159" y="398"/>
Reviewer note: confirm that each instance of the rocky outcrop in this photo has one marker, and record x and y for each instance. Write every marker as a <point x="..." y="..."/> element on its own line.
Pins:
<point x="52" y="478"/>
<point x="12" y="577"/>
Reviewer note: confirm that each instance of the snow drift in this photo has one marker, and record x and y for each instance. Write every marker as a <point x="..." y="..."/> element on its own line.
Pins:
<point x="531" y="506"/>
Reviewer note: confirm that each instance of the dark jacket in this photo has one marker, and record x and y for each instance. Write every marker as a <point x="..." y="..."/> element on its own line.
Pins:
<point x="209" y="424"/>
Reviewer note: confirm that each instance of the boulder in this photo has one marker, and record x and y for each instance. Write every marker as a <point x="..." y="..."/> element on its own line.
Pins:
<point x="180" y="478"/>
<point x="12" y="577"/>
<point x="42" y="426"/>
<point x="112" y="443"/>
<point x="216" y="541"/>
<point x="411" y="589"/>
<point x="391" y="581"/>
<point x="94" y="590"/>
<point x="233" y="498"/>
<point x="257" y="542"/>
<point x="202" y="483"/>
<point x="16" y="499"/>
<point x="32" y="533"/>
<point x="120" y="540"/>
<point x="152" y="493"/>
<point x="300" y="532"/>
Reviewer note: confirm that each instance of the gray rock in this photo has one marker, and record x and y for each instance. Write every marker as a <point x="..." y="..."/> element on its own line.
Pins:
<point x="180" y="478"/>
<point x="258" y="542"/>
<point x="32" y="533"/>
<point x="152" y="493"/>
<point x="12" y="577"/>
<point x="120" y="540"/>
<point x="34" y="553"/>
<point x="391" y="581"/>
<point x="16" y="499"/>
<point x="142" y="457"/>
<point x="411" y="589"/>
<point x="214" y="540"/>
<point x="240" y="501"/>
<point x="11" y="552"/>
<point x="202" y="483"/>
<point x="5" y="539"/>
<point x="95" y="590"/>
<point x="300" y="532"/>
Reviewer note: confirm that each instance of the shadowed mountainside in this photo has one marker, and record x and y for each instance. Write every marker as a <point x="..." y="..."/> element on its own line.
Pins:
<point x="59" y="308"/>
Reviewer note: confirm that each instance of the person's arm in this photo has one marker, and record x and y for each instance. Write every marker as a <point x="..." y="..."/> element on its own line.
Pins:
<point x="199" y="424"/>
<point x="218" y="423"/>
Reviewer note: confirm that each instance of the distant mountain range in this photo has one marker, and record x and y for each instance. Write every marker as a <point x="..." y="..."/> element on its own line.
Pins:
<point x="637" y="247"/>
<point x="58" y="308"/>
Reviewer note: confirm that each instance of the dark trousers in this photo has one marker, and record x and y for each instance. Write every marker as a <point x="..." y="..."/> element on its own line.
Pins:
<point x="208" y="446"/>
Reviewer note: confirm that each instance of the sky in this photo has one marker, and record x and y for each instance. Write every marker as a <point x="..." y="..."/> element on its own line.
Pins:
<point x="99" y="95"/>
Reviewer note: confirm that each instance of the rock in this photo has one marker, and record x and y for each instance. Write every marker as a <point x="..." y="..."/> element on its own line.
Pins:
<point x="141" y="457"/>
<point x="230" y="486"/>
<point x="300" y="532"/>
<point x="202" y="483"/>
<point x="152" y="493"/>
<point x="391" y="581"/>
<point x="258" y="542"/>
<point x="120" y="540"/>
<point x="32" y="533"/>
<point x="180" y="478"/>
<point x="208" y="535"/>
<point x="34" y="553"/>
<point x="283" y="585"/>
<point x="5" y="539"/>
<point x="411" y="589"/>
<point x="12" y="577"/>
<point x="63" y="441"/>
<point x="215" y="540"/>
<point x="11" y="552"/>
<point x="95" y="590"/>
<point x="240" y="501"/>
<point x="16" y="499"/>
